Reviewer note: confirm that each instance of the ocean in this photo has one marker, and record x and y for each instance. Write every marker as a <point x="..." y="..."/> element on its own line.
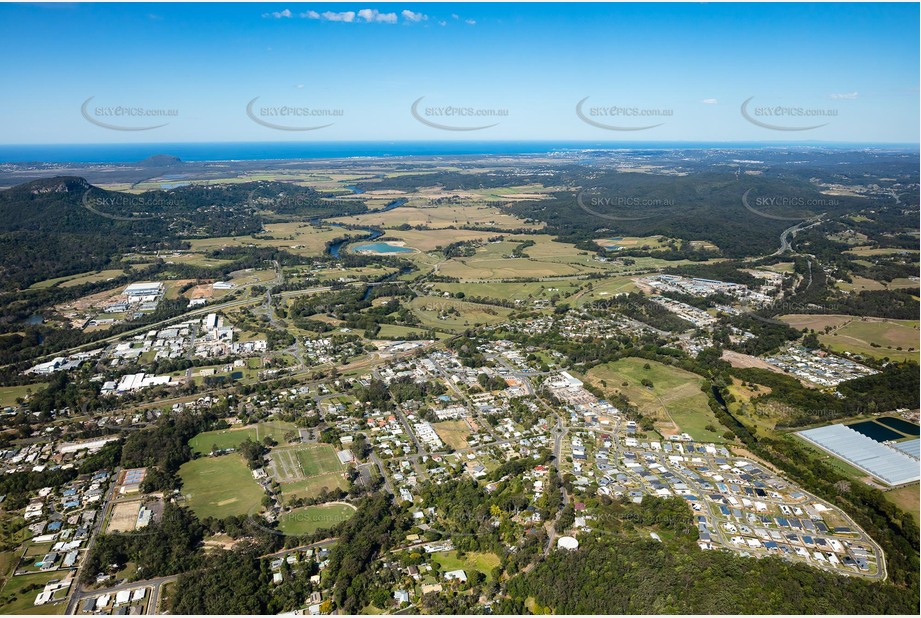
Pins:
<point x="255" y="151"/>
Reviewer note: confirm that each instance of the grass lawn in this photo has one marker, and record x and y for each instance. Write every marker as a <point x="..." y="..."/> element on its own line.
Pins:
<point x="858" y="335"/>
<point x="429" y="240"/>
<point x="15" y="599"/>
<point x="297" y="237"/>
<point x="453" y="433"/>
<point x="604" y="288"/>
<point x="310" y="488"/>
<point x="251" y="276"/>
<point x="439" y="313"/>
<point x="9" y="394"/>
<point x="485" y="265"/>
<point x="231" y="438"/>
<point x="874" y="337"/>
<point x="419" y="212"/>
<point x="73" y="280"/>
<point x="646" y="243"/>
<point x="220" y="487"/>
<point x="524" y="291"/>
<point x="319" y="459"/>
<point x="196" y="259"/>
<point x="309" y="519"/>
<point x="397" y="332"/>
<point x="907" y="498"/>
<point x="675" y="399"/>
<point x="484" y="562"/>
<point x="817" y="323"/>
<point x="860" y="284"/>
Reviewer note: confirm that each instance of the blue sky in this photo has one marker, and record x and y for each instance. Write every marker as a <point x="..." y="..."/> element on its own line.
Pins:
<point x="687" y="68"/>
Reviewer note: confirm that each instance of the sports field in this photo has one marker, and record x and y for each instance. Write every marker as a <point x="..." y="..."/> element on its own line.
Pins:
<point x="675" y="399"/>
<point x="231" y="438"/>
<point x="303" y="471"/>
<point x="310" y="488"/>
<point x="220" y="487"/>
<point x="309" y="519"/>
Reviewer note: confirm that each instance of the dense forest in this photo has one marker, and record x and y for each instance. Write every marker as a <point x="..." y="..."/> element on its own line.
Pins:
<point x="705" y="206"/>
<point x="612" y="575"/>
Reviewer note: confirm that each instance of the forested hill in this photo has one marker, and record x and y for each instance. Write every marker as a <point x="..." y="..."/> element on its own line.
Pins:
<point x="64" y="225"/>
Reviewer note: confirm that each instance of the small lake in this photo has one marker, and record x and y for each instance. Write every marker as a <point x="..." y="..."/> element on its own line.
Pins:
<point x="382" y="247"/>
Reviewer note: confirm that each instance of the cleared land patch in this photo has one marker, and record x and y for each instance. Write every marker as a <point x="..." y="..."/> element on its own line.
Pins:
<point x="454" y="315"/>
<point x="453" y="433"/>
<point x="907" y="498"/>
<point x="675" y="399"/>
<point x="874" y="337"/>
<point x="124" y="516"/>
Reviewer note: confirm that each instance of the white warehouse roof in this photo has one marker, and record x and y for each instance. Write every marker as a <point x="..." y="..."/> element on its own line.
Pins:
<point x="885" y="463"/>
<point x="144" y="288"/>
<point x="911" y="447"/>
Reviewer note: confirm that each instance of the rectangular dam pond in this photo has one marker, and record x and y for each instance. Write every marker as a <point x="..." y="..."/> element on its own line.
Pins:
<point x="900" y="425"/>
<point x="874" y="430"/>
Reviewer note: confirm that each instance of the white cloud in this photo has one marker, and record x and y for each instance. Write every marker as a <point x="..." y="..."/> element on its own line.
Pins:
<point x="413" y="17"/>
<point x="346" y="16"/>
<point x="710" y="101"/>
<point x="455" y="16"/>
<point x="373" y="15"/>
<point x="310" y="15"/>
<point x="470" y="22"/>
<point x="442" y="23"/>
<point x="850" y="96"/>
<point x="279" y="14"/>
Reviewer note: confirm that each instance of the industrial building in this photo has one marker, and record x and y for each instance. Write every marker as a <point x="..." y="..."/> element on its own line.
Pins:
<point x="883" y="462"/>
<point x="140" y="292"/>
